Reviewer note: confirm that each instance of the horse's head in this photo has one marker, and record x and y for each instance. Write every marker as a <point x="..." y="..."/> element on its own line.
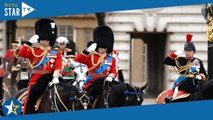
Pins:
<point x="124" y="94"/>
<point x="134" y="95"/>
<point x="80" y="71"/>
<point x="68" y="98"/>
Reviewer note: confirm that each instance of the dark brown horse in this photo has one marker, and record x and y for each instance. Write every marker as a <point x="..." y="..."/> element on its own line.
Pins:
<point x="202" y="91"/>
<point x="60" y="97"/>
<point x="115" y="94"/>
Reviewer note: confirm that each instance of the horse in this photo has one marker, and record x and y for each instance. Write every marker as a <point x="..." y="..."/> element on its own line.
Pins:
<point x="80" y="73"/>
<point x="63" y="97"/>
<point x="57" y="96"/>
<point x="116" y="94"/>
<point x="203" y="90"/>
<point x="16" y="75"/>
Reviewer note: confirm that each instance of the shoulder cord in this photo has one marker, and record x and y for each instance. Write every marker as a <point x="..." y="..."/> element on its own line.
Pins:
<point x="100" y="60"/>
<point x="33" y="52"/>
<point x="15" y="54"/>
<point x="43" y="55"/>
<point x="181" y="68"/>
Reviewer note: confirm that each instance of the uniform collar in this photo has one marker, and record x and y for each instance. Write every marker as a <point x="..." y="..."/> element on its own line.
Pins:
<point x="45" y="48"/>
<point x="100" y="54"/>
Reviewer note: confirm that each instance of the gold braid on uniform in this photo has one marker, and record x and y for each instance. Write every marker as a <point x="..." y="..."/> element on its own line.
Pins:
<point x="16" y="54"/>
<point x="43" y="55"/>
<point x="181" y="68"/>
<point x="100" y="60"/>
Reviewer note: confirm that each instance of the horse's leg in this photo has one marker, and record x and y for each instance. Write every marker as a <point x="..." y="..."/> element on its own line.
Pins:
<point x="14" y="84"/>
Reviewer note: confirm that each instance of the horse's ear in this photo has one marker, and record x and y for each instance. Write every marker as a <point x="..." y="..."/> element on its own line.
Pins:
<point x="73" y="62"/>
<point x="144" y="87"/>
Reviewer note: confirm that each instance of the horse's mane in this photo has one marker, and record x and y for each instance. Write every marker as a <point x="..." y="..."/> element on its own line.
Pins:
<point x="119" y="87"/>
<point x="100" y="85"/>
<point x="66" y="89"/>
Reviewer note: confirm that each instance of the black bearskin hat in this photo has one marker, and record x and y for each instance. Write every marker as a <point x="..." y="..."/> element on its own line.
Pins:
<point x="103" y="36"/>
<point x="189" y="45"/>
<point x="46" y="30"/>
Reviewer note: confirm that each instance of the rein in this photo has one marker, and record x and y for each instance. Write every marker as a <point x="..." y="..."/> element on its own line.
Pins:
<point x="198" y="88"/>
<point x="59" y="98"/>
<point x="126" y="93"/>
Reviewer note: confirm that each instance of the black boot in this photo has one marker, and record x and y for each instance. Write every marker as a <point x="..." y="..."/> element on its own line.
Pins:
<point x="168" y="99"/>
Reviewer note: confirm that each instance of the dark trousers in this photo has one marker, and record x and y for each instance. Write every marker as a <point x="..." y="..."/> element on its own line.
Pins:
<point x="188" y="85"/>
<point x="35" y="91"/>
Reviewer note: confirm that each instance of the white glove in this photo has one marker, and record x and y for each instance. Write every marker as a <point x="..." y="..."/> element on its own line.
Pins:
<point x="92" y="47"/>
<point x="198" y="77"/>
<point x="34" y="39"/>
<point x="55" y="80"/>
<point x="109" y="79"/>
<point x="179" y="51"/>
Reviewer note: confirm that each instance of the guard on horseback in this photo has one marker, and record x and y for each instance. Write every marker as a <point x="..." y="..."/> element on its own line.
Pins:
<point x="66" y="72"/>
<point x="10" y="54"/>
<point x="12" y="58"/>
<point x="189" y="68"/>
<point x="45" y="61"/>
<point x="96" y="56"/>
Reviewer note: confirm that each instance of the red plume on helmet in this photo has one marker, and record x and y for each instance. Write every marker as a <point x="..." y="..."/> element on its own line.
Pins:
<point x="189" y="45"/>
<point x="189" y="38"/>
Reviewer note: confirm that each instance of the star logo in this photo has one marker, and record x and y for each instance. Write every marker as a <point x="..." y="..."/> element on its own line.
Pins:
<point x="12" y="108"/>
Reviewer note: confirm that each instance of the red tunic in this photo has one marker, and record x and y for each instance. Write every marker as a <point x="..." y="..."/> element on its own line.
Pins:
<point x="9" y="55"/>
<point x="91" y="60"/>
<point x="53" y="61"/>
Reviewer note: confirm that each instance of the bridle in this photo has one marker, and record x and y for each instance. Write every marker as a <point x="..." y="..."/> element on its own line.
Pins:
<point x="138" y="94"/>
<point x="84" y="100"/>
<point x="108" y="98"/>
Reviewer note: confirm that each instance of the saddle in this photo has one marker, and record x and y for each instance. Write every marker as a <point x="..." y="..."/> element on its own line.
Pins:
<point x="181" y="96"/>
<point x="161" y="98"/>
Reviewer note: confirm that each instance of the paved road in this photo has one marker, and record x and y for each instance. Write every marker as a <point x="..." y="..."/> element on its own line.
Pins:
<point x="149" y="101"/>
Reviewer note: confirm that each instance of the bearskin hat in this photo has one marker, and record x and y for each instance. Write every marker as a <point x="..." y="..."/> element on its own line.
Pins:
<point x="103" y="36"/>
<point x="46" y="30"/>
<point x="189" y="45"/>
<point x="70" y="54"/>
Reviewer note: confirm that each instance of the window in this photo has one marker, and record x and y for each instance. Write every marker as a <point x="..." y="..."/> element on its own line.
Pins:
<point x="29" y="32"/>
<point x="66" y="31"/>
<point x="145" y="63"/>
<point x="88" y="35"/>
